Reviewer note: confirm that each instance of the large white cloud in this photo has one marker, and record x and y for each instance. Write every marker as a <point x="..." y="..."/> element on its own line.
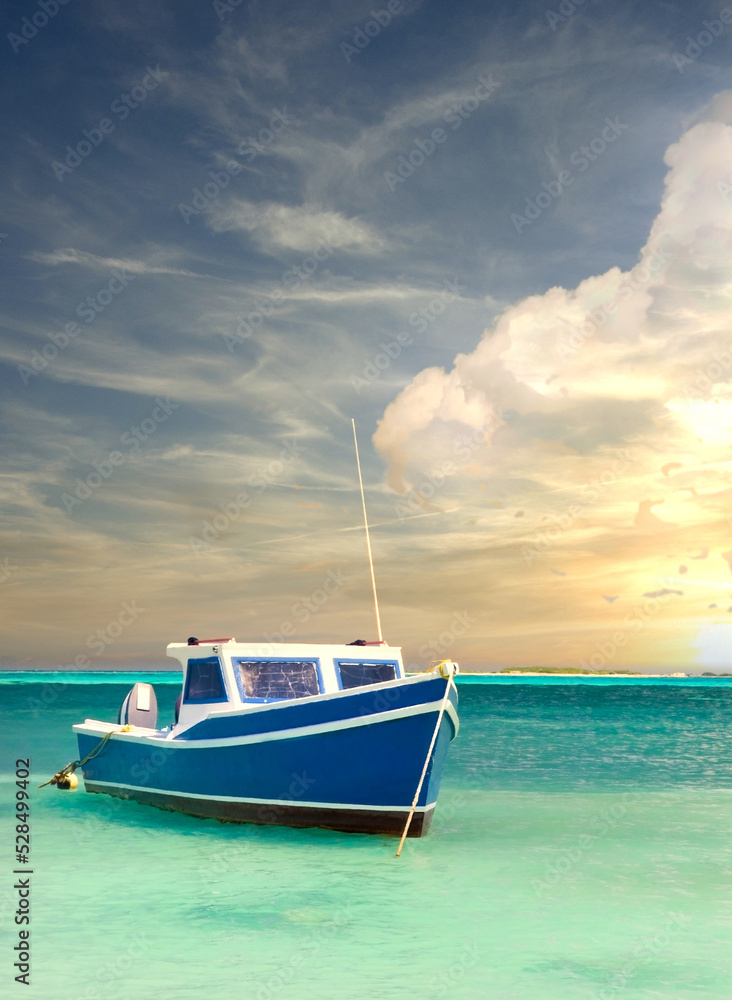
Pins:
<point x="648" y="350"/>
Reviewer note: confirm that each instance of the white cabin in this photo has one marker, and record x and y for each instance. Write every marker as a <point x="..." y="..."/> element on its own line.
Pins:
<point x="222" y="676"/>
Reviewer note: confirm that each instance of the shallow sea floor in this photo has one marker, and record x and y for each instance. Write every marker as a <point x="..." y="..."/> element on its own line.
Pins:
<point x="582" y="848"/>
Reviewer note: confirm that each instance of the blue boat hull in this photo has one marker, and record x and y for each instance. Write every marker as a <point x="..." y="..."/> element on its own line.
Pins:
<point x="349" y="763"/>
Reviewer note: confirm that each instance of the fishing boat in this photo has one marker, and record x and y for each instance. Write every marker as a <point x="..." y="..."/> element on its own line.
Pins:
<point x="294" y="734"/>
<point x="333" y="736"/>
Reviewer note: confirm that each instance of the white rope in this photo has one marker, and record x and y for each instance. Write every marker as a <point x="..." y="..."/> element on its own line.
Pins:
<point x="368" y="538"/>
<point x="443" y="706"/>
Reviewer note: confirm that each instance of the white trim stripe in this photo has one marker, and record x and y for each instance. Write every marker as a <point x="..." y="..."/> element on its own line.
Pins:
<point x="91" y="728"/>
<point x="261" y="802"/>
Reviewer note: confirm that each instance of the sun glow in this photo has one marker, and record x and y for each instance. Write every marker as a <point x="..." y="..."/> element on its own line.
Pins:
<point x="708" y="419"/>
<point x="714" y="647"/>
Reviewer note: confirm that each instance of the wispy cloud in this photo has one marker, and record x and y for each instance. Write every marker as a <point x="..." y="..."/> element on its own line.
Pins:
<point x="69" y="255"/>
<point x="530" y="435"/>
<point x="296" y="228"/>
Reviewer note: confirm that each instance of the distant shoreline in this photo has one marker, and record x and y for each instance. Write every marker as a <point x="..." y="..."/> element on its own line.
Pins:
<point x="565" y="673"/>
<point x="628" y="675"/>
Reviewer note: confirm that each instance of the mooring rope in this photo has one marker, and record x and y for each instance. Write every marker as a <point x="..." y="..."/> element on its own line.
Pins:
<point x="443" y="706"/>
<point x="71" y="767"/>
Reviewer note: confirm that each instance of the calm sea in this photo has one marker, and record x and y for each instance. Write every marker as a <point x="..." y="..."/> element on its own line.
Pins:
<point x="581" y="848"/>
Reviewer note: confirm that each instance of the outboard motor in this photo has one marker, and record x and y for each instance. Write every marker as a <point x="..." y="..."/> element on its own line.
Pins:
<point x="140" y="707"/>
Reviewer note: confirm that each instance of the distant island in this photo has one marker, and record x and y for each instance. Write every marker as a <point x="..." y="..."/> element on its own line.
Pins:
<point x="564" y="670"/>
<point x="606" y="673"/>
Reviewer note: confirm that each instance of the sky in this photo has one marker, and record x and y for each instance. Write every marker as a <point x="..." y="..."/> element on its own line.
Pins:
<point x="497" y="236"/>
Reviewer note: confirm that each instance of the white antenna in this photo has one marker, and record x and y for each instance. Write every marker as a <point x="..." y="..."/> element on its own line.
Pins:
<point x="368" y="538"/>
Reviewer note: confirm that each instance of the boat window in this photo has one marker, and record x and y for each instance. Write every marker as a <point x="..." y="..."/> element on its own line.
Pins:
<point x="204" y="681"/>
<point x="276" y="678"/>
<point x="357" y="674"/>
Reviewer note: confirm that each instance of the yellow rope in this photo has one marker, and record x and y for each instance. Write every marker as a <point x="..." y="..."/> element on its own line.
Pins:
<point x="443" y="706"/>
<point x="94" y="752"/>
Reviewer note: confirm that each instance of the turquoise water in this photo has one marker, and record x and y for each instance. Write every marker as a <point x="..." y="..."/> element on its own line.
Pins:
<point x="581" y="848"/>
